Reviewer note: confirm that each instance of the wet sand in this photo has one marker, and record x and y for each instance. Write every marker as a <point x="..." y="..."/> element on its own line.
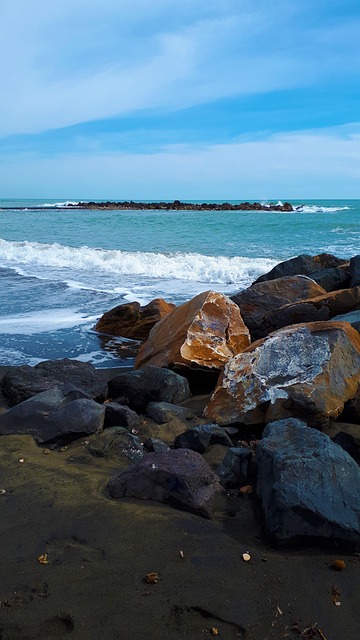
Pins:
<point x="99" y="551"/>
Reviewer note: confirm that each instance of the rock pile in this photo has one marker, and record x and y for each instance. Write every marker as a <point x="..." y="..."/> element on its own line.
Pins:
<point x="285" y="408"/>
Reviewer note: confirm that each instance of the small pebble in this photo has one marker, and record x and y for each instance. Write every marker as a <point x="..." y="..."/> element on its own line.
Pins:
<point x="2" y="491"/>
<point x="214" y="631"/>
<point x="22" y="460"/>
<point x="339" y="565"/>
<point x="246" y="557"/>
<point x="46" y="452"/>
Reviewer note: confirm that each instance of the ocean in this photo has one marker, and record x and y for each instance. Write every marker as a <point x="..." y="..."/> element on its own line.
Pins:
<point x="61" y="269"/>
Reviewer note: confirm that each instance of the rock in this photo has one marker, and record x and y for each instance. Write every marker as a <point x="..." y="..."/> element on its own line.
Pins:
<point x="130" y="320"/>
<point x="214" y="455"/>
<point x="323" y="307"/>
<point x="257" y="301"/>
<point x="233" y="470"/>
<point x="307" y="370"/>
<point x="301" y="265"/>
<point x="156" y="445"/>
<point x="179" y="477"/>
<point x="331" y="279"/>
<point x="163" y="412"/>
<point x="354" y="271"/>
<point x="205" y="332"/>
<point x="151" y="384"/>
<point x="21" y="383"/>
<point x="353" y="317"/>
<point x="50" y="416"/>
<point x="309" y="487"/>
<point x="117" y="443"/>
<point x="118" y="415"/>
<point x="201" y="437"/>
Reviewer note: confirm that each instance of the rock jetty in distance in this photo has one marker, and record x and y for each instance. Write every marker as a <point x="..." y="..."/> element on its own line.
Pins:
<point x="177" y="205"/>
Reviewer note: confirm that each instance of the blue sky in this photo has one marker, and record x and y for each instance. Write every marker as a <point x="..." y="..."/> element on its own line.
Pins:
<point x="208" y="99"/>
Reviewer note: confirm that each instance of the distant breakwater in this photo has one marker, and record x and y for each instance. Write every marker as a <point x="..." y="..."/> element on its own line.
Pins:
<point x="177" y="205"/>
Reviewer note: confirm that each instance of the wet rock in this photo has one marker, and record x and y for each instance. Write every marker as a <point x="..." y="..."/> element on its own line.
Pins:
<point x="353" y="317"/>
<point x="163" y="412"/>
<point x="354" y="271"/>
<point x="50" y="416"/>
<point x="151" y="384"/>
<point x="130" y="320"/>
<point x="117" y="443"/>
<point x="204" y="332"/>
<point x="307" y="370"/>
<point x="201" y="437"/>
<point x="323" y="307"/>
<point x="118" y="415"/>
<point x="178" y="477"/>
<point x="331" y="279"/>
<point x="21" y="383"/>
<point x="309" y="487"/>
<point x="156" y="445"/>
<point x="302" y="265"/>
<point x="233" y="470"/>
<point x="257" y="301"/>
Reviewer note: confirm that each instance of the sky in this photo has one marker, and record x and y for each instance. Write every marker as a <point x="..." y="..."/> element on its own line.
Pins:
<point x="200" y="99"/>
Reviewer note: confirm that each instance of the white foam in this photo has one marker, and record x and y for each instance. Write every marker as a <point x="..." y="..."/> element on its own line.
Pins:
<point x="43" y="321"/>
<point x="315" y="209"/>
<point x="49" y="205"/>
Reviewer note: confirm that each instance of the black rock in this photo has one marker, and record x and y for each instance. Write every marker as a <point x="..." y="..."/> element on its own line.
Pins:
<point x="155" y="445"/>
<point x="117" y="442"/>
<point x="331" y="279"/>
<point x="118" y="415"/>
<point x="199" y="438"/>
<point x="50" y="416"/>
<point x="21" y="383"/>
<point x="302" y="265"/>
<point x="308" y="485"/>
<point x="233" y="470"/>
<point x="151" y="384"/>
<point x="178" y="477"/>
<point x="162" y="412"/>
<point x="354" y="271"/>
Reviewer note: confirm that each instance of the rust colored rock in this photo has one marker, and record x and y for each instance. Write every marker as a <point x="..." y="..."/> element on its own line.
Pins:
<point x="304" y="371"/>
<point x="206" y="331"/>
<point x="130" y="320"/>
<point x="322" y="307"/>
<point x="260" y="299"/>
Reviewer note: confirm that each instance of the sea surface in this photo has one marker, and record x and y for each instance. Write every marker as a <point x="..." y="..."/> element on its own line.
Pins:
<point x="62" y="269"/>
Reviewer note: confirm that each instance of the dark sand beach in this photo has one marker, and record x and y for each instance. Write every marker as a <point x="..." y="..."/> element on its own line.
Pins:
<point x="100" y="549"/>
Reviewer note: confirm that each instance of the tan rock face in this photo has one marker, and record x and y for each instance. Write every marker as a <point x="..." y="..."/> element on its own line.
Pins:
<point x="206" y="331"/>
<point x="307" y="371"/>
<point x="130" y="320"/>
<point x="262" y="298"/>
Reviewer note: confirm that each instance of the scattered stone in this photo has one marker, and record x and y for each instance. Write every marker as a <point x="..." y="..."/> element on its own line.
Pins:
<point x="163" y="412"/>
<point x="309" y="487"/>
<point x="308" y="370"/>
<point x="155" y="445"/>
<point x="117" y="443"/>
<point x="118" y="415"/>
<point x="338" y="565"/>
<point x="233" y="470"/>
<point x="199" y="438"/>
<point x="152" y="384"/>
<point x="205" y="332"/>
<point x="49" y="416"/>
<point x="21" y="383"/>
<point x="179" y="477"/>
<point x="130" y="320"/>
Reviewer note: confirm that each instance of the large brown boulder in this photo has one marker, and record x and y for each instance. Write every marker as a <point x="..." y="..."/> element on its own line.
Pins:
<point x="259" y="299"/>
<point x="305" y="371"/>
<point x="206" y="331"/>
<point x="130" y="320"/>
<point x="322" y="307"/>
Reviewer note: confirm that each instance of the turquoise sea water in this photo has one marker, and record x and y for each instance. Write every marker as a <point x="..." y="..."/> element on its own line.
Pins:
<point x="61" y="269"/>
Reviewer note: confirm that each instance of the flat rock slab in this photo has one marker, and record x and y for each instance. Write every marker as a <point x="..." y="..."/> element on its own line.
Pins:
<point x="21" y="383"/>
<point x="305" y="371"/>
<point x="152" y="384"/>
<point x="50" y="416"/>
<point x="179" y="477"/>
<point x="205" y="332"/>
<point x="309" y="486"/>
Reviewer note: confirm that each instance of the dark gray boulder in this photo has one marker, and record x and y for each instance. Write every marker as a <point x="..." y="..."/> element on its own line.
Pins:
<point x="117" y="443"/>
<point x="155" y="445"/>
<point x="50" y="416"/>
<point x="354" y="271"/>
<point x="302" y="265"/>
<point x="234" y="469"/>
<point x="118" y="415"/>
<point x="162" y="412"/>
<point x="151" y="384"/>
<point x="199" y="438"/>
<point x="308" y="485"/>
<point x="178" y="477"/>
<point x="331" y="279"/>
<point x="21" y="383"/>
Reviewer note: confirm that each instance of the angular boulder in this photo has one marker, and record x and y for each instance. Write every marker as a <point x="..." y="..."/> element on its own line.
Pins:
<point x="307" y="370"/>
<point x="199" y="438"/>
<point x="118" y="415"/>
<point x="181" y="478"/>
<point x="130" y="320"/>
<point x="152" y="384"/>
<point x="331" y="279"/>
<point x="117" y="443"/>
<point x="50" y="416"/>
<point x="257" y="301"/>
<point x="308" y="485"/>
<point x="354" y="271"/>
<point x="302" y="265"/>
<point x="322" y="307"/>
<point x="21" y="383"/>
<point x="205" y="332"/>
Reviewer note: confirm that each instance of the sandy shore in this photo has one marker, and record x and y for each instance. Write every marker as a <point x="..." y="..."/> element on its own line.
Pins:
<point x="99" y="551"/>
